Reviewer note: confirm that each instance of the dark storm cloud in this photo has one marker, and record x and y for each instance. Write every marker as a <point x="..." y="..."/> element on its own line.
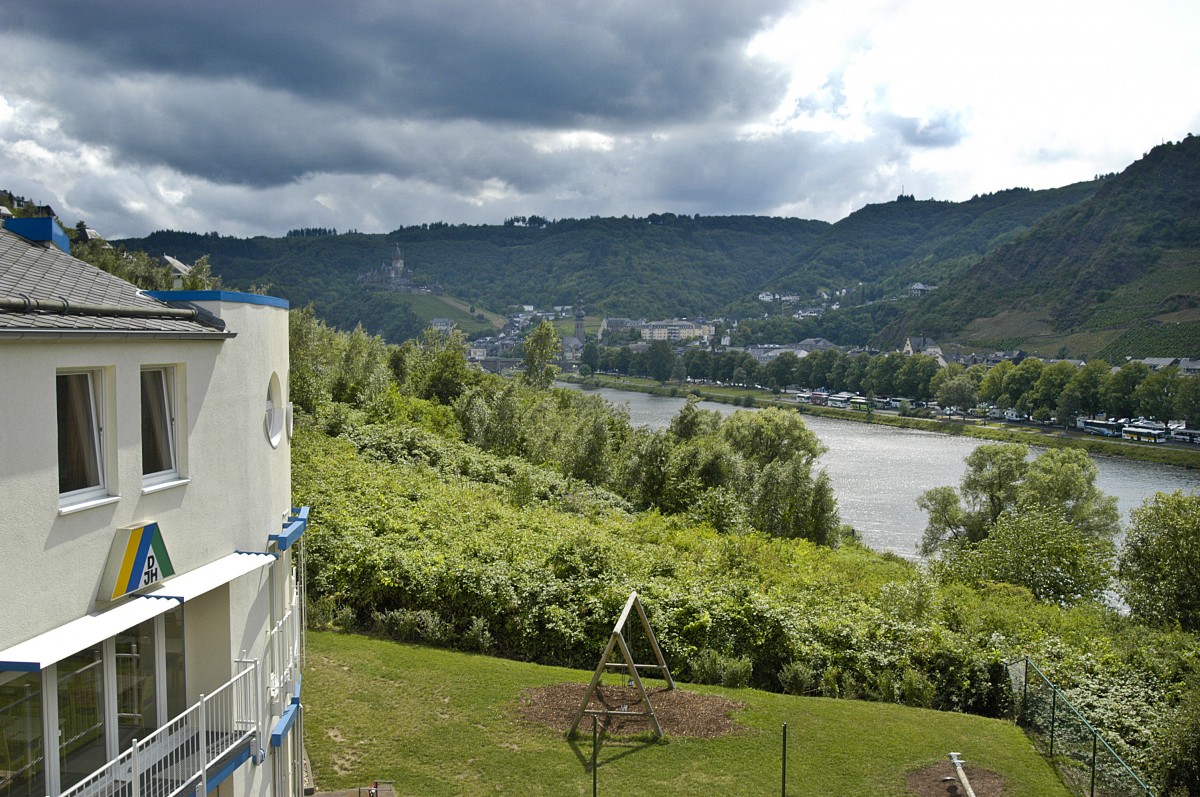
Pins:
<point x="263" y="94"/>
<point x="555" y="63"/>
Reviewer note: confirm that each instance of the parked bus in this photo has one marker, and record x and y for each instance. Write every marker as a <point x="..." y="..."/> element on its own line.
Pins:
<point x="1186" y="436"/>
<point x="1105" y="428"/>
<point x="1144" y="434"/>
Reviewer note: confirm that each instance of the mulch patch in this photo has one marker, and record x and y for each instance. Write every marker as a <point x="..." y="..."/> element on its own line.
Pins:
<point x="679" y="713"/>
<point x="941" y="780"/>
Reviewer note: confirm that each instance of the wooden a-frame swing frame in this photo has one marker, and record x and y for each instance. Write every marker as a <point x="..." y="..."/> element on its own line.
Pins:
<point x="617" y="640"/>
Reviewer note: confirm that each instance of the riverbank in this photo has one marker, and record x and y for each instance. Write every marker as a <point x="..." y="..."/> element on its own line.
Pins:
<point x="996" y="431"/>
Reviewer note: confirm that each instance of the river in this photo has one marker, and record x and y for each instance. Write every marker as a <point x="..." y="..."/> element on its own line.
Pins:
<point x="878" y="471"/>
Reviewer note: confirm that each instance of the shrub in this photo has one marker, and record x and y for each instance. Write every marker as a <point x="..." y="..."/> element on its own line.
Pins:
<point x="798" y="678"/>
<point x="711" y="667"/>
<point x="477" y="637"/>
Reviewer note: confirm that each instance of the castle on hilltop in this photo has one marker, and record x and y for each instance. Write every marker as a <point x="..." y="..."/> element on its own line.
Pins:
<point x="392" y="277"/>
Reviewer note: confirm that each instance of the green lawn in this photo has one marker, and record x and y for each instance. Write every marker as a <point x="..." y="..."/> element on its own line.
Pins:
<point x="443" y="723"/>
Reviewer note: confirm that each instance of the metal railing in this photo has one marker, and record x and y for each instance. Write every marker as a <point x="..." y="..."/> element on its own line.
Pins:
<point x="283" y="650"/>
<point x="1088" y="764"/>
<point x="176" y="758"/>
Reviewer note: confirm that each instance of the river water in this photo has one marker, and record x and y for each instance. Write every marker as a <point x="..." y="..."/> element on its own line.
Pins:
<point x="879" y="471"/>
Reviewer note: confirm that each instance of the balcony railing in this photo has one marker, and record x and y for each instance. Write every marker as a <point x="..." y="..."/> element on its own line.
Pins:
<point x="216" y="733"/>
<point x="283" y="650"/>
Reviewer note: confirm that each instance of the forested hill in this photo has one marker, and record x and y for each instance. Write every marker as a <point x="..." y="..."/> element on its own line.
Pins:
<point x="888" y="246"/>
<point x="659" y="266"/>
<point x="1116" y="275"/>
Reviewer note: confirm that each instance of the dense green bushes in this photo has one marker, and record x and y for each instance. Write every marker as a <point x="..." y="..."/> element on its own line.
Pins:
<point x="528" y="549"/>
<point x="428" y="540"/>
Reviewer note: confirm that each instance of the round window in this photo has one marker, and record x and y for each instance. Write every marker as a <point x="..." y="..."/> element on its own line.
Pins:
<point x="273" y="421"/>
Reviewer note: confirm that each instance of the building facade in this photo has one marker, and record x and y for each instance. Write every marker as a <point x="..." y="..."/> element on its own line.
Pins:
<point x="152" y="635"/>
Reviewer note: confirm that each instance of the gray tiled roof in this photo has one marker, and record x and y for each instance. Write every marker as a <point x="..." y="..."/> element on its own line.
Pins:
<point x="41" y="272"/>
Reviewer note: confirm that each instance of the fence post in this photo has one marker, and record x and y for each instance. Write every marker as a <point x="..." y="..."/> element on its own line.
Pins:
<point x="203" y="747"/>
<point x="135" y="782"/>
<point x="1053" y="706"/>
<point x="1025" y="693"/>
<point x="783" y="786"/>
<point x="1093" y="792"/>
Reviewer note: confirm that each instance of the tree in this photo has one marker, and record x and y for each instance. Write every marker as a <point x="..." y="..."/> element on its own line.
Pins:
<point x="769" y="435"/>
<point x="1060" y="483"/>
<point x="1116" y="394"/>
<point x="788" y="502"/>
<point x="1064" y="480"/>
<point x="1155" y="396"/>
<point x="660" y="360"/>
<point x="691" y="421"/>
<point x="541" y="346"/>
<point x="880" y="377"/>
<point x="435" y="368"/>
<point x="591" y="355"/>
<point x="782" y="370"/>
<point x="943" y="376"/>
<point x="1050" y="385"/>
<point x="958" y="392"/>
<point x="1187" y="401"/>
<point x="1160" y="565"/>
<point x="991" y="389"/>
<point x="914" y="377"/>
<point x="1082" y="395"/>
<point x="1041" y="551"/>
<point x="1019" y="383"/>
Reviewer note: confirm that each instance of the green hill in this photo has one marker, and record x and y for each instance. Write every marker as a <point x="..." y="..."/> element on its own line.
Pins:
<point x="1108" y="267"/>
<point x="1115" y="275"/>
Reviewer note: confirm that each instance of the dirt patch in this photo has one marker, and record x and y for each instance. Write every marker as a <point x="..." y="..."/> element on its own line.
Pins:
<point x="679" y="713"/>
<point x="941" y="780"/>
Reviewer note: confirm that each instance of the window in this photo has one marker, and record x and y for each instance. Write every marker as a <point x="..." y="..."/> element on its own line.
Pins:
<point x="80" y="436"/>
<point x="159" y="452"/>
<point x="273" y="421"/>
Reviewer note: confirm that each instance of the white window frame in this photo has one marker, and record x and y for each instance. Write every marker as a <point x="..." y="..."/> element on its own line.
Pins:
<point x="275" y="415"/>
<point x="87" y="496"/>
<point x="169" y="377"/>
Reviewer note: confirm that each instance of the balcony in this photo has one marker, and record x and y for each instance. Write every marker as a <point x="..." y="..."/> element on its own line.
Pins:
<point x="190" y="754"/>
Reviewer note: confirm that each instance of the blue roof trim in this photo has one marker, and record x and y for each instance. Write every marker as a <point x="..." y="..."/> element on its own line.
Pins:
<point x="293" y="529"/>
<point x="19" y="666"/>
<point x="284" y="726"/>
<point x="233" y="297"/>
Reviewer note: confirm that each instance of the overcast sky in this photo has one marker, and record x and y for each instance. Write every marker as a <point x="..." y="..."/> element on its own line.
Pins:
<point x="253" y="118"/>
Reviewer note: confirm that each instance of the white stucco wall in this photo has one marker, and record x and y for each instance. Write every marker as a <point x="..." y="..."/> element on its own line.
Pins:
<point x="239" y="488"/>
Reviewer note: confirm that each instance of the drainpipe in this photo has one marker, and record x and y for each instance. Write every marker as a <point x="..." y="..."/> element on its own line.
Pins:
<point x="62" y="306"/>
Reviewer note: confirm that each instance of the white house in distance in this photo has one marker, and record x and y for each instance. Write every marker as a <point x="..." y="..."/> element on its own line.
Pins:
<point x="151" y="634"/>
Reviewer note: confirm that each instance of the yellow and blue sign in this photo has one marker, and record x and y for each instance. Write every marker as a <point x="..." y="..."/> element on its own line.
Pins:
<point x="138" y="559"/>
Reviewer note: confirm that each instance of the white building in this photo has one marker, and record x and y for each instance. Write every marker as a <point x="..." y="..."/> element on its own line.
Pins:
<point x="152" y="636"/>
<point x="677" y="329"/>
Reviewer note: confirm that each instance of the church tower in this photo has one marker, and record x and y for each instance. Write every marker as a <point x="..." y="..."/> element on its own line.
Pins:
<point x="580" y="335"/>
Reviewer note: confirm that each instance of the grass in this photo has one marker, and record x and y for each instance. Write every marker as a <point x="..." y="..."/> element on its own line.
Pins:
<point x="441" y="723"/>
<point x="429" y="306"/>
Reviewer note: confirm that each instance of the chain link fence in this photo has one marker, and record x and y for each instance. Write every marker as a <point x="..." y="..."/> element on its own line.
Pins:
<point x="1088" y="765"/>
